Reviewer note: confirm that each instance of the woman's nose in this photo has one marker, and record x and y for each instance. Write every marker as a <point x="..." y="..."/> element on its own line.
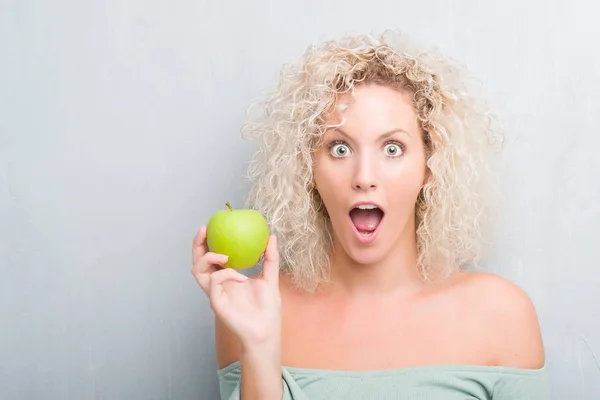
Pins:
<point x="365" y="177"/>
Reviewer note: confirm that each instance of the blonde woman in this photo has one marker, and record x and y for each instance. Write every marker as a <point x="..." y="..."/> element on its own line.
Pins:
<point x="372" y="170"/>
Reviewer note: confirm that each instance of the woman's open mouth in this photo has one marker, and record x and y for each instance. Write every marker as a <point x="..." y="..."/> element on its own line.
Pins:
<point x="366" y="219"/>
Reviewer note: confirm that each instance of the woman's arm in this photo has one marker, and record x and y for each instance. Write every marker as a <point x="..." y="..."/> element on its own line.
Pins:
<point x="247" y="310"/>
<point x="260" y="363"/>
<point x="261" y="372"/>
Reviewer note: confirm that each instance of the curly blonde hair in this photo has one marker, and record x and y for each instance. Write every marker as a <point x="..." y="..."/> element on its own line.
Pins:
<point x="452" y="209"/>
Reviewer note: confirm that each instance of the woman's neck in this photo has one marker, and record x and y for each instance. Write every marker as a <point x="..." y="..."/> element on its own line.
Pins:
<point x="394" y="274"/>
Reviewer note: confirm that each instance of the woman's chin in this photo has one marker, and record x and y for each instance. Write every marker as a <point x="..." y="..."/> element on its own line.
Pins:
<point x="364" y="256"/>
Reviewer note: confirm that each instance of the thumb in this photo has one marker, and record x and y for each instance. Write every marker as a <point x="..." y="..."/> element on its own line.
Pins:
<point x="270" y="270"/>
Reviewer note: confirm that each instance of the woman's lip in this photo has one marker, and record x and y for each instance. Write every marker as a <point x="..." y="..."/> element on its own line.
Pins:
<point x="366" y="203"/>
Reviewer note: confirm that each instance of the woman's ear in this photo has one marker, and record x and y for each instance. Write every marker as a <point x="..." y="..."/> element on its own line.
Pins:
<point x="427" y="177"/>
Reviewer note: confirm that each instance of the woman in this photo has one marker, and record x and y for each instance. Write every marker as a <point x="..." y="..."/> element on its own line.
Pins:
<point x="372" y="173"/>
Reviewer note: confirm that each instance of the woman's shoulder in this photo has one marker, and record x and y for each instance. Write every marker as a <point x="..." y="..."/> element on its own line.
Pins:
<point x="494" y="307"/>
<point x="506" y="314"/>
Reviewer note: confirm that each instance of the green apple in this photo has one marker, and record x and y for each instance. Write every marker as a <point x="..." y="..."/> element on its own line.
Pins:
<point x="242" y="235"/>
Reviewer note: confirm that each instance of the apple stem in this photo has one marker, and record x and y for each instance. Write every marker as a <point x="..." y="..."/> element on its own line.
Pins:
<point x="229" y="206"/>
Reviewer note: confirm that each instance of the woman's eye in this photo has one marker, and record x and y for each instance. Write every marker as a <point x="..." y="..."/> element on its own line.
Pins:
<point x="393" y="150"/>
<point x="340" y="150"/>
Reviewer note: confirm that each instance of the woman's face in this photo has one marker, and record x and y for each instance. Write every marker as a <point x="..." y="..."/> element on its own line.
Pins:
<point x="369" y="172"/>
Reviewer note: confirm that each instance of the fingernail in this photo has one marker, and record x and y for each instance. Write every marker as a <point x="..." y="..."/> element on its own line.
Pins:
<point x="224" y="258"/>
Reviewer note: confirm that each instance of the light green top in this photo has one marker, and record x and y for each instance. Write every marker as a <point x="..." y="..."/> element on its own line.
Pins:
<point x="447" y="382"/>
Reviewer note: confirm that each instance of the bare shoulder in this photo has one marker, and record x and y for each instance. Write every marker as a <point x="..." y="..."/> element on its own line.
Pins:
<point x="509" y="319"/>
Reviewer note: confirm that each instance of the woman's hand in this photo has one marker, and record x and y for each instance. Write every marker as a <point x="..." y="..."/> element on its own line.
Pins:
<point x="249" y="307"/>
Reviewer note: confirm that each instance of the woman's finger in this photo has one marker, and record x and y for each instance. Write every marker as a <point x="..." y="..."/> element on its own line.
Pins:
<point x="206" y="266"/>
<point x="199" y="245"/>
<point x="219" y="277"/>
<point x="270" y="270"/>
